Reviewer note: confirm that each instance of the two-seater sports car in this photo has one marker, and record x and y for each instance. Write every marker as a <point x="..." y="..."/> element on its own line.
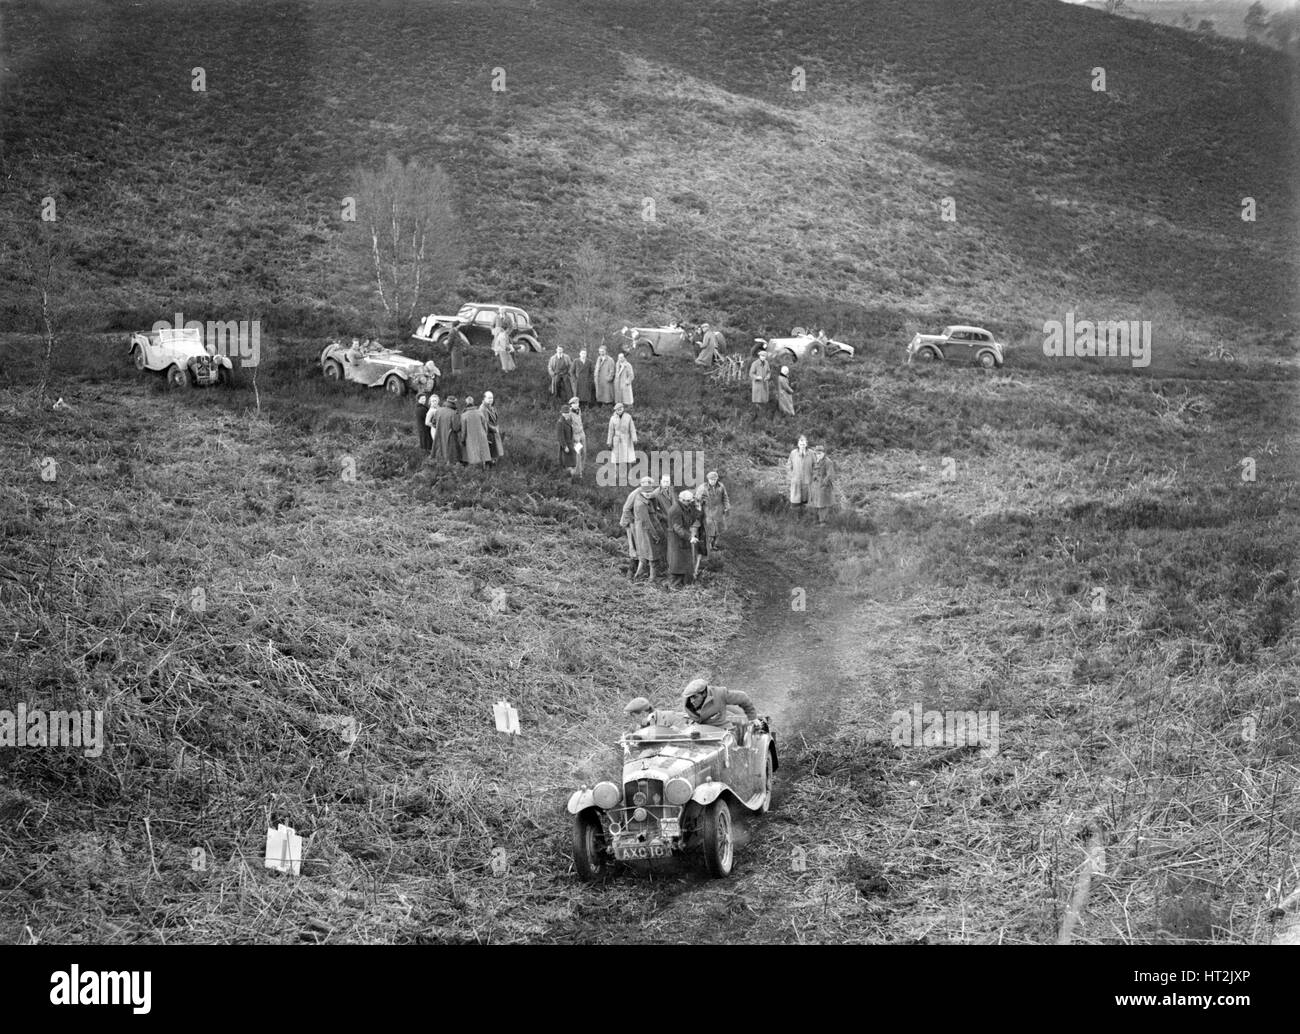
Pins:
<point x="371" y="365"/>
<point x="476" y="320"/>
<point x="181" y="352"/>
<point x="803" y="345"/>
<point x="958" y="342"/>
<point x="676" y="339"/>
<point x="681" y="789"/>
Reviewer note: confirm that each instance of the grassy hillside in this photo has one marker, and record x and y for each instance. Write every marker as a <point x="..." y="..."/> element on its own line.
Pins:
<point x="201" y="571"/>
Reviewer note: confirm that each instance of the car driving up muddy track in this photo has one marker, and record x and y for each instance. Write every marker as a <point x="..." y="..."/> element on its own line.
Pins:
<point x="681" y="789"/>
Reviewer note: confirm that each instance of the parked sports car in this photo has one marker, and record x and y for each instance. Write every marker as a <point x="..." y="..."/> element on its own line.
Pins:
<point x="370" y="365"/>
<point x="958" y="342"/>
<point x="803" y="345"/>
<point x="476" y="321"/>
<point x="681" y="789"/>
<point x="677" y="339"/>
<point x="181" y="352"/>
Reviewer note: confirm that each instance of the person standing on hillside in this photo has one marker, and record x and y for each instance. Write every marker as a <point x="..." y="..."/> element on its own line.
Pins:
<point x="683" y="538"/>
<point x="784" y="392"/>
<point x="454" y="444"/>
<point x="473" y="435"/>
<point x="799" y="467"/>
<point x="422" y="422"/>
<point x="711" y="348"/>
<point x="429" y="418"/>
<point x="457" y="343"/>
<point x="621" y="441"/>
<point x="604" y="377"/>
<point x="715" y="506"/>
<point x="502" y="346"/>
<point x="821" y="484"/>
<point x="623" y="377"/>
<point x="560" y="367"/>
<point x="496" y="441"/>
<point x="425" y="379"/>
<point x="579" y="436"/>
<point x="584" y="381"/>
<point x="643" y="513"/>
<point x="759" y="376"/>
<point x="564" y="434"/>
<point x="446" y="433"/>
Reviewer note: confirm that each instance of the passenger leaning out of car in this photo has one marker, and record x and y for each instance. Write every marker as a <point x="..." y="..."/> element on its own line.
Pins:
<point x="707" y="705"/>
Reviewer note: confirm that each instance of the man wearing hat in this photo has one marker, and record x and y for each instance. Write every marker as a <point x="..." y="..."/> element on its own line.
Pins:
<point x="644" y="516"/>
<point x="579" y="435"/>
<point x="707" y="705"/>
<point x="644" y="715"/>
<point x="711" y="349"/>
<point x="759" y="375"/>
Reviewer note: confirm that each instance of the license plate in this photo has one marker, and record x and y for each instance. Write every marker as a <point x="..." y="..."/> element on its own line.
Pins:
<point x="625" y="852"/>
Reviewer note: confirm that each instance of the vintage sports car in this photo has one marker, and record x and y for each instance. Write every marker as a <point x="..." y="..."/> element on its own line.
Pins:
<point x="677" y="339"/>
<point x="681" y="788"/>
<point x="370" y="365"/>
<point x="182" y="354"/>
<point x="476" y="321"/>
<point x="802" y="345"/>
<point x="958" y="342"/>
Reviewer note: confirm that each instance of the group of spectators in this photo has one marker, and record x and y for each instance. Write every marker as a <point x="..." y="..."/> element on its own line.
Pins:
<point x="669" y="532"/>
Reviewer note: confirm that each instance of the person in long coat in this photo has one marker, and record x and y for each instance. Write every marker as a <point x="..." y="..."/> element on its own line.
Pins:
<point x="711" y="349"/>
<point x="560" y="367"/>
<point x="446" y="433"/>
<point x="759" y="376"/>
<point x="457" y="343"/>
<point x="604" y="377"/>
<point x="473" y="435"/>
<point x="584" y="380"/>
<point x="458" y="454"/>
<point x="799" y="467"/>
<point x="821" y="485"/>
<point x="422" y="422"/>
<point x="664" y="499"/>
<point x="649" y="526"/>
<point x="621" y="440"/>
<point x="623" y="377"/>
<point x="579" y="435"/>
<point x="785" y="393"/>
<point x="683" y="533"/>
<point x="715" y="505"/>
<point x="564" y="435"/>
<point x="502" y="346"/>
<point x="496" y="440"/>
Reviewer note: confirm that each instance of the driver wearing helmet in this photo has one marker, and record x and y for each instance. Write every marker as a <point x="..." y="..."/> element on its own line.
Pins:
<point x="707" y="705"/>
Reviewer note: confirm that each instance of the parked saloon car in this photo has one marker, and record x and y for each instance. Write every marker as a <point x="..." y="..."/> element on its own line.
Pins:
<point x="476" y="322"/>
<point x="958" y="342"/>
<point x="681" y="790"/>
<point x="182" y="354"/>
<point x="802" y="345"/>
<point x="371" y="366"/>
<point x="648" y="342"/>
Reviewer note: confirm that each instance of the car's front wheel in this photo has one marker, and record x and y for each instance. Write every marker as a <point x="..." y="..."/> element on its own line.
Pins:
<point x="719" y="845"/>
<point x="394" y="385"/>
<point x="333" y="370"/>
<point x="177" y="377"/>
<point x="137" y="357"/>
<point x="927" y="355"/>
<point x="590" y="849"/>
<point x="644" y="351"/>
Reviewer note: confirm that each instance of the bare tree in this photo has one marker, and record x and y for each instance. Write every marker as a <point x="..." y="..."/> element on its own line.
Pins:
<point x="594" y="301"/>
<point x="38" y="257"/>
<point x="404" y="239"/>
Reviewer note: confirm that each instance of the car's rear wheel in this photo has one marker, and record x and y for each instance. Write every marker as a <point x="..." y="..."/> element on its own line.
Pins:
<point x="137" y="357"/>
<point x="927" y="355"/>
<point x="814" y="351"/>
<point x="527" y="344"/>
<point x="177" y="377"/>
<point x="590" y="849"/>
<point x="644" y="351"/>
<point x="394" y="385"/>
<point x="333" y="370"/>
<point x="767" y="782"/>
<point x="988" y="360"/>
<point x="719" y="846"/>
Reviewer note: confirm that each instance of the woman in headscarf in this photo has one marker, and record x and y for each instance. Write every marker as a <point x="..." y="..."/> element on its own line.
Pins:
<point x="502" y="345"/>
<point x="821" y="491"/>
<point x="785" y="393"/>
<point x="683" y="539"/>
<point x="496" y="441"/>
<point x="473" y="435"/>
<point x="623" y="377"/>
<point x="715" y="505"/>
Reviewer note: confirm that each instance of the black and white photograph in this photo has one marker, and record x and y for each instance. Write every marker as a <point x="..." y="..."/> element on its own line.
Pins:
<point x="650" y="473"/>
